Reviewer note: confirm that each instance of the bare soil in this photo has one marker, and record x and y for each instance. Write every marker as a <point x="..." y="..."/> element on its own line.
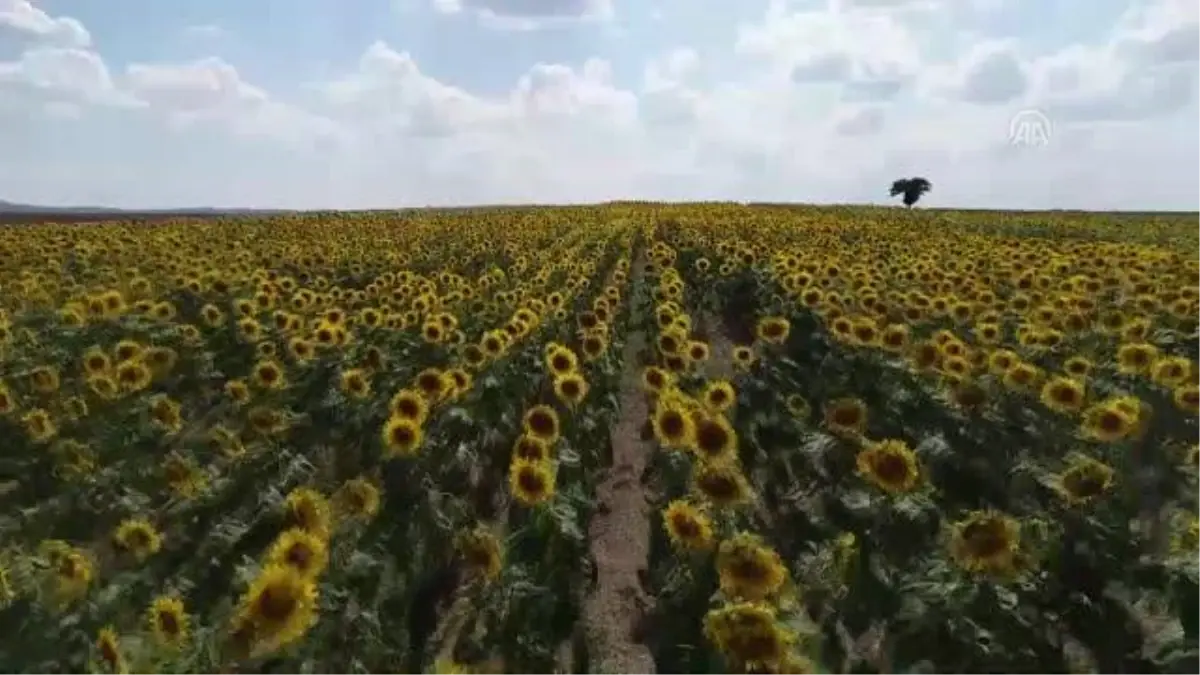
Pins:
<point x="620" y="531"/>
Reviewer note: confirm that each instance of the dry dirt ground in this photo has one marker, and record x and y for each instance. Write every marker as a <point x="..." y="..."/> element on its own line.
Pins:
<point x="620" y="530"/>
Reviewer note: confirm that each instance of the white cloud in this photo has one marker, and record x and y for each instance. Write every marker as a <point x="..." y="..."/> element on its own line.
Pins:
<point x="527" y="14"/>
<point x="63" y="75"/>
<point x="991" y="73"/>
<point x="22" y="17"/>
<point x="824" y="104"/>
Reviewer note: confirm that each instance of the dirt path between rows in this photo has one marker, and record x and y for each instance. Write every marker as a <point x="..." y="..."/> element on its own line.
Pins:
<point x="620" y="529"/>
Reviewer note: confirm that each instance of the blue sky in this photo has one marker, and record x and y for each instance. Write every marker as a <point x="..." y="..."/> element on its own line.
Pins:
<point x="379" y="103"/>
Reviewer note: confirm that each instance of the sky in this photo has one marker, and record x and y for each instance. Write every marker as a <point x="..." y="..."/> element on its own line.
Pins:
<point x="1016" y="104"/>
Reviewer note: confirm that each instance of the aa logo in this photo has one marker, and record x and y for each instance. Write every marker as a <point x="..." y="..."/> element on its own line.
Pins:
<point x="1030" y="128"/>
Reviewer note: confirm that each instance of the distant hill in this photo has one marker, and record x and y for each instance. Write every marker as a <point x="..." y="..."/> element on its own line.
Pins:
<point x="14" y="213"/>
<point x="12" y="207"/>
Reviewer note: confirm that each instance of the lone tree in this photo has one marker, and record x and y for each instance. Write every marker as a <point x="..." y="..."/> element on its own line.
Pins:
<point x="911" y="188"/>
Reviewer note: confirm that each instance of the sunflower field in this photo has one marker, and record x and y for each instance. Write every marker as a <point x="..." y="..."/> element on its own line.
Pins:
<point x="617" y="438"/>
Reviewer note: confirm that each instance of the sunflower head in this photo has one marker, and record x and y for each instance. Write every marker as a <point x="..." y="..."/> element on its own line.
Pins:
<point x="714" y="438"/>
<point x="402" y="437"/>
<point x="570" y="388"/>
<point x="846" y="416"/>
<point x="890" y="465"/>
<point x="1084" y="480"/>
<point x="531" y="448"/>
<point x="355" y="383"/>
<point x="748" y="635"/>
<point x="743" y="357"/>
<point x="719" y="396"/>
<point x="560" y="360"/>
<point x="168" y="621"/>
<point x="431" y="384"/>
<point x="1063" y="394"/>
<point x="748" y="569"/>
<point x="357" y="498"/>
<point x="305" y="552"/>
<point x="720" y="483"/>
<point x="1108" y="422"/>
<point x="531" y="483"/>
<point x="277" y="610"/>
<point x="541" y="421"/>
<point x="986" y="542"/>
<point x="137" y="538"/>
<point x="673" y="426"/>
<point x="308" y="510"/>
<point x="688" y="527"/>
<point x="772" y="330"/>
<point x="481" y="552"/>
<point x="409" y="404"/>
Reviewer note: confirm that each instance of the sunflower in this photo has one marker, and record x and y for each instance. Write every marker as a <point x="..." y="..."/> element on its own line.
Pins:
<point x="278" y="609"/>
<point x="166" y="413"/>
<point x="719" y="396"/>
<point x="560" y="360"/>
<point x="748" y="568"/>
<point x="670" y="342"/>
<point x="714" y="438"/>
<point x="432" y="384"/>
<point x="460" y="380"/>
<point x="473" y="356"/>
<point x="357" y="498"/>
<point x="673" y="426"/>
<point x="1186" y="536"/>
<point x="409" y="404"/>
<point x="895" y="338"/>
<point x="138" y="538"/>
<point x="96" y="362"/>
<point x="1187" y="398"/>
<point x="308" y="510"/>
<point x="1078" y="367"/>
<point x="697" y="351"/>
<point x="891" y="465"/>
<point x="1063" y="395"/>
<point x="1171" y="371"/>
<point x="531" y="448"/>
<point x="986" y="542"/>
<point x="541" y="421"/>
<point x="39" y="425"/>
<point x="593" y="346"/>
<point x="402" y="437"/>
<point x="481" y="552"/>
<point x="570" y="388"/>
<point x="168" y="621"/>
<point x="8" y="402"/>
<point x="72" y="571"/>
<point x="655" y="379"/>
<point x="268" y="374"/>
<point x="238" y="391"/>
<point x="798" y="407"/>
<point x="846" y="416"/>
<point x="303" y="551"/>
<point x="108" y="648"/>
<point x="748" y="636"/>
<point x="687" y="526"/>
<point x="1136" y="358"/>
<point x="1108" y="422"/>
<point x="44" y="379"/>
<point x="743" y="357"/>
<point x="1022" y="376"/>
<point x="531" y="483"/>
<point x="1084" y="480"/>
<point x="720" y="483"/>
<point x="133" y="375"/>
<point x="772" y="330"/>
